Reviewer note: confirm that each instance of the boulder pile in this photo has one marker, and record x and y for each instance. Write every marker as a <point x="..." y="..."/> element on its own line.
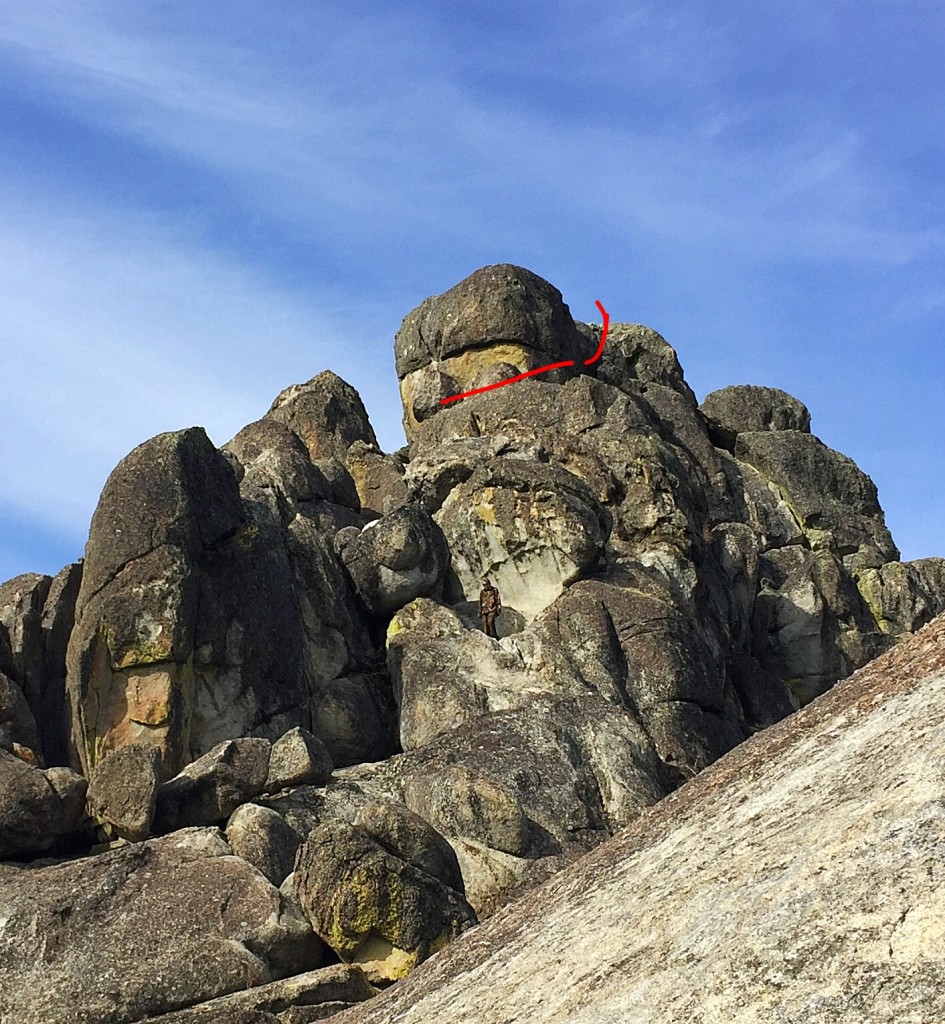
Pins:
<point x="257" y="758"/>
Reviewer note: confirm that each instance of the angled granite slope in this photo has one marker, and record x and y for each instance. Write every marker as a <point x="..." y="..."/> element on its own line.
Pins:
<point x="798" y="879"/>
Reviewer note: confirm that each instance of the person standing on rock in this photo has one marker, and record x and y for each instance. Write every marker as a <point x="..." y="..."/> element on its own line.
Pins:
<point x="490" y="604"/>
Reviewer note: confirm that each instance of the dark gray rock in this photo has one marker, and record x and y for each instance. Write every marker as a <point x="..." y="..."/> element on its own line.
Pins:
<point x="344" y="491"/>
<point x="744" y="407"/>
<point x="211" y="788"/>
<point x="428" y="387"/>
<point x="141" y="931"/>
<point x="390" y="823"/>
<point x="311" y="996"/>
<point x="17" y="725"/>
<point x="21" y="619"/>
<point x="520" y="793"/>
<point x="54" y="718"/>
<point x="298" y="759"/>
<point x="499" y="316"/>
<point x="810" y="624"/>
<point x="356" y="718"/>
<point x="260" y="836"/>
<point x="634" y="352"/>
<point x="904" y="596"/>
<point x="396" y="559"/>
<point x="835" y="502"/>
<point x="37" y="806"/>
<point x="326" y="413"/>
<point x="410" y="837"/>
<point x="501" y="304"/>
<point x="378" y="479"/>
<point x="189" y="630"/>
<point x="123" y="790"/>
<point x="276" y="468"/>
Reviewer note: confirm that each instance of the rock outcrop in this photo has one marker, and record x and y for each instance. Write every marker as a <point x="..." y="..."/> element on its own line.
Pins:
<point x="142" y="930"/>
<point x="37" y="806"/>
<point x="795" y="879"/>
<point x="281" y="638"/>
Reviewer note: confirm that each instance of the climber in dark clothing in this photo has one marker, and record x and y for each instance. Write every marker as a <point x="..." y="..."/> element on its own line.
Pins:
<point x="490" y="604"/>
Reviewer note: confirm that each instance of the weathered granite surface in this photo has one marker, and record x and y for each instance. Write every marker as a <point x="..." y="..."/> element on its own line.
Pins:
<point x="798" y="879"/>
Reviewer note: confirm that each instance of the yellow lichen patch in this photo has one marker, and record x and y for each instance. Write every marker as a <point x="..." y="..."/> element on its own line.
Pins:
<point x="393" y="629"/>
<point x="465" y="367"/>
<point x="866" y="583"/>
<point x="485" y="509"/>
<point x="246" y="536"/>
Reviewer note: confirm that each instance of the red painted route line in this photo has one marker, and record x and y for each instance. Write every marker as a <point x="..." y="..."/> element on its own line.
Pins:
<point x="603" y="336"/>
<point x="541" y="369"/>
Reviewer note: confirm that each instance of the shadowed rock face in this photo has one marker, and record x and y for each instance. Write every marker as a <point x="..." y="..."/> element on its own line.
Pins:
<point x="188" y="628"/>
<point x="795" y="879"/>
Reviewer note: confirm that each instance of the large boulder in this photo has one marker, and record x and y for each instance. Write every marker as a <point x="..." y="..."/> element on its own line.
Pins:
<point x="355" y="716"/>
<point x="810" y="624"/>
<point x="312" y="996"/>
<point x="123" y="790"/>
<point x="21" y="619"/>
<point x="211" y="788"/>
<point x="275" y="468"/>
<point x="141" y="931"/>
<point x="521" y="792"/>
<point x="904" y="596"/>
<point x="370" y="906"/>
<point x="531" y="527"/>
<point x="17" y="724"/>
<point x="387" y="820"/>
<point x="396" y="559"/>
<point x="296" y="501"/>
<point x="37" y="806"/>
<point x="54" y="718"/>
<point x="634" y="352"/>
<point x="326" y="413"/>
<point x="834" y="501"/>
<point x="760" y="891"/>
<point x="298" y="758"/>
<point x="499" y="314"/>
<point x="378" y="479"/>
<point x="188" y="627"/>
<point x="747" y="408"/>
<point x="261" y="836"/>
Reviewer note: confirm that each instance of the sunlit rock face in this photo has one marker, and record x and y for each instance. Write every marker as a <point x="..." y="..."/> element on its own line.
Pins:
<point x="282" y="638"/>
<point x="794" y="879"/>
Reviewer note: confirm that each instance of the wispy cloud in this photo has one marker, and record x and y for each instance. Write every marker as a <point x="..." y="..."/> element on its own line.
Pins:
<point x="423" y="146"/>
<point x="312" y="171"/>
<point x="116" y="328"/>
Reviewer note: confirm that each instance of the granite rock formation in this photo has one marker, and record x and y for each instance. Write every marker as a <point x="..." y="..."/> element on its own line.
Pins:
<point x="280" y="638"/>
<point x="796" y="879"/>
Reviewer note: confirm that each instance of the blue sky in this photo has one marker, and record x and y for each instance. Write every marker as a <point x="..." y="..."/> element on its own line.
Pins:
<point x="206" y="202"/>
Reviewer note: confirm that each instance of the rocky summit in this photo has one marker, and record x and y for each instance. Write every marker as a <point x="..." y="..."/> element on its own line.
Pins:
<point x="260" y="760"/>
